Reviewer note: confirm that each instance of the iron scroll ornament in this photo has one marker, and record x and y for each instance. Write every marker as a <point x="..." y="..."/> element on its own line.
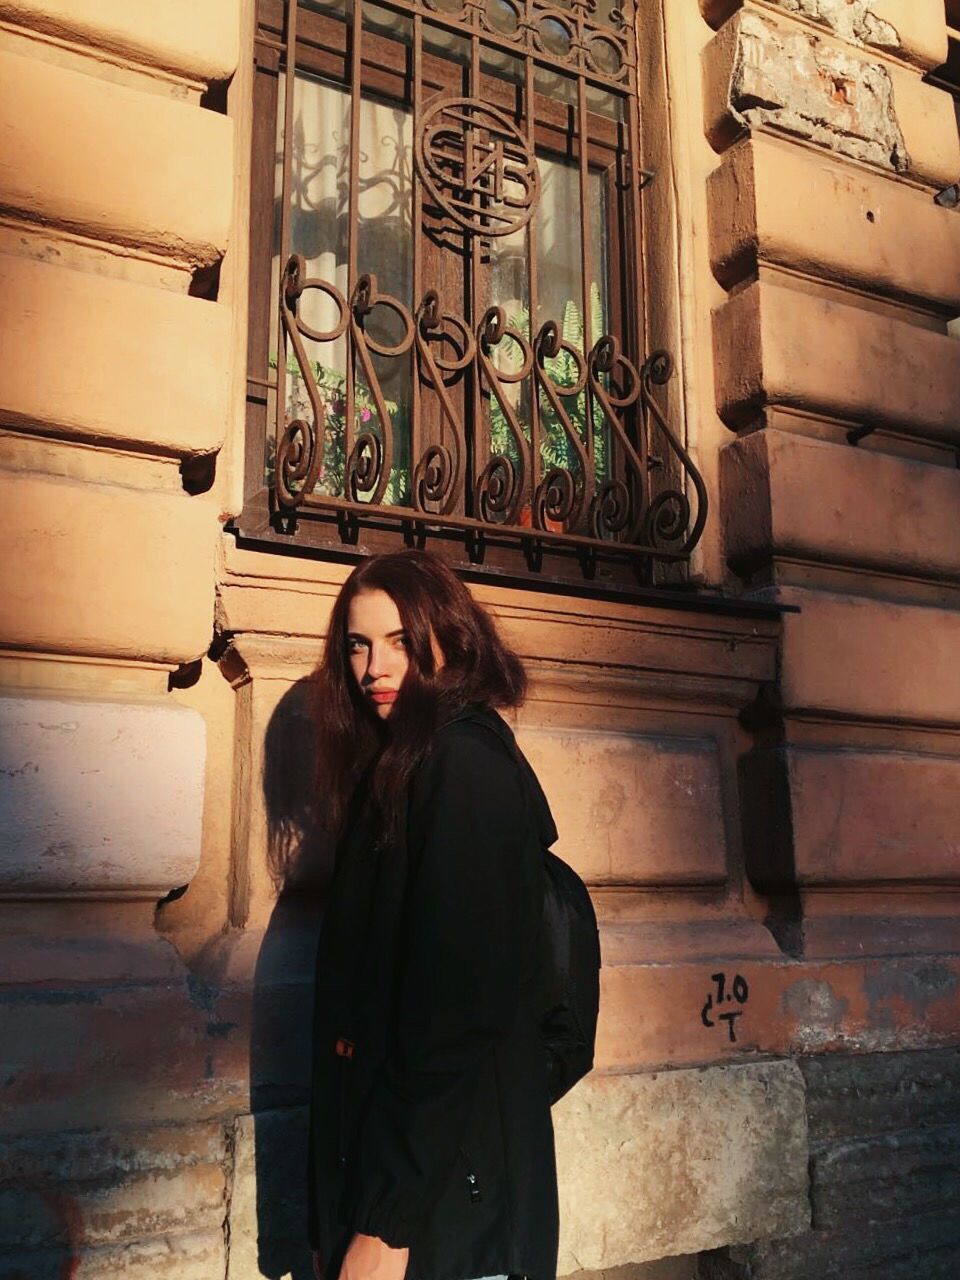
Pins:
<point x="621" y="514"/>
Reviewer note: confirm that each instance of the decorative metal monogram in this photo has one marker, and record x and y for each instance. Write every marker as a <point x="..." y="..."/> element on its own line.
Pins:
<point x="476" y="164"/>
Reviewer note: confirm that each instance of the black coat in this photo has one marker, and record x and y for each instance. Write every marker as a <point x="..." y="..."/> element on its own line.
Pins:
<point x="430" y="1116"/>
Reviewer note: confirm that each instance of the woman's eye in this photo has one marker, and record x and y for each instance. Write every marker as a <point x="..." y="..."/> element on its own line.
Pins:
<point x="354" y="645"/>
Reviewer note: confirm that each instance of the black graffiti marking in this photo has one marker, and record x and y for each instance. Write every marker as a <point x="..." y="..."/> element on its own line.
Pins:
<point x="728" y="1018"/>
<point x="738" y="993"/>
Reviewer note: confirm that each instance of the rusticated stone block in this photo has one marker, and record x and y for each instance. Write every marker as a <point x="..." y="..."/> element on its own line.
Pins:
<point x="143" y="366"/>
<point x="99" y="798"/>
<point x="130" y="1208"/>
<point x="885" y="1165"/>
<point x="682" y="1268"/>
<point x="776" y="345"/>
<point x="911" y="29"/>
<point x="59" y="540"/>
<point x="787" y="79"/>
<point x="679" y="1161"/>
<point x="632" y="809"/>
<point x="820" y="818"/>
<point x="902" y="508"/>
<point x="70" y="142"/>
<point x="857" y="227"/>
<point x="653" y="1014"/>
<point x="122" y="1055"/>
<point x="880" y="1093"/>
<point x="124" y="1203"/>
<point x="198" y="42"/>
<point x="884" y="661"/>
<point x="196" y="1256"/>
<point x="102" y="1155"/>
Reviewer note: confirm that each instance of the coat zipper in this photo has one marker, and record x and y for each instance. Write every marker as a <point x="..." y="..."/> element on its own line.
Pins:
<point x="476" y="1194"/>
<point x="344" y="1053"/>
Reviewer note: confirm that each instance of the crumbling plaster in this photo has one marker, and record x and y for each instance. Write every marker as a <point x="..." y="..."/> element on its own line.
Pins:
<point x="856" y="21"/>
<point x="798" y="84"/>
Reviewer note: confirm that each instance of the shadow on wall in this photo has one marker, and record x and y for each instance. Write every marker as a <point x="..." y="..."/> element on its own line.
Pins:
<point x="301" y="863"/>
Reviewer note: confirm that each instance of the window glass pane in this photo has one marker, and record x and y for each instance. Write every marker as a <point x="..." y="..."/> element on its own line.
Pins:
<point x="599" y="247"/>
<point x="319" y="231"/>
<point x="385" y="250"/>
<point x="319" y="184"/>
<point x="561" y="300"/>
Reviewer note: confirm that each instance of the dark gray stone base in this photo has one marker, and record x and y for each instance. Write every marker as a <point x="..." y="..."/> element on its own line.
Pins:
<point x="884" y="1175"/>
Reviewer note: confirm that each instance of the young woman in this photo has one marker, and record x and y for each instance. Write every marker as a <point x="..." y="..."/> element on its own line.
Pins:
<point x="432" y="1152"/>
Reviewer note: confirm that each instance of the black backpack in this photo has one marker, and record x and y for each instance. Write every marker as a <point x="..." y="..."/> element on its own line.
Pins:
<point x="570" y="954"/>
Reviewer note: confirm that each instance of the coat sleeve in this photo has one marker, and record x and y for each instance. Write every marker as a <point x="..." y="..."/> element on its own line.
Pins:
<point x="468" y="925"/>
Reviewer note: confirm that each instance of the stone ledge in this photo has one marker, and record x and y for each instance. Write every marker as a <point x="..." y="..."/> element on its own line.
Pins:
<point x="69" y="142"/>
<point x="775" y="345"/>
<point x="655" y="1015"/>
<point x="140" y="366"/>
<point x="199" y="43"/>
<point x="278" y="608"/>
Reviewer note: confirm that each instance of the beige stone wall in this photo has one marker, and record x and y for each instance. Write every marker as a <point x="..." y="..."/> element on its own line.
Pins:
<point x="719" y="775"/>
<point x="117" y="194"/>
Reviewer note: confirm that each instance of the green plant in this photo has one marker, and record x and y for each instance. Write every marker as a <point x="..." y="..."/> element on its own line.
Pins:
<point x="556" y="448"/>
<point x="332" y="387"/>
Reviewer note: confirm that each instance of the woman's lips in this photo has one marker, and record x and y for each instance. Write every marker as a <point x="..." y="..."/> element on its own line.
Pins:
<point x="383" y="695"/>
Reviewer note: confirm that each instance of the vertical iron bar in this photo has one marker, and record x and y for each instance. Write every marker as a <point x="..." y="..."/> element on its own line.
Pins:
<point x="353" y="215"/>
<point x="532" y="270"/>
<point x="636" y="311"/>
<point x="585" y="247"/>
<point x="289" y="77"/>
<point x="473" y="266"/>
<point x="416" y="230"/>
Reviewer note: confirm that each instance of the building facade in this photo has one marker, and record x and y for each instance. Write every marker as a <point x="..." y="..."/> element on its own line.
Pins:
<point x="284" y="283"/>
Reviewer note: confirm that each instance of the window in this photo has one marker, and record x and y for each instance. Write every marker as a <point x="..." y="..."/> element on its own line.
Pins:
<point x="446" y="339"/>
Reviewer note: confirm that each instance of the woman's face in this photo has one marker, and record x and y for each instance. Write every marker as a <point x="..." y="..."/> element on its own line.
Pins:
<point x="377" y="648"/>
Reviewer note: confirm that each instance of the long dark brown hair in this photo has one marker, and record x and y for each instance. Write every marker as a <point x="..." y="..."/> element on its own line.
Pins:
<point x="477" y="668"/>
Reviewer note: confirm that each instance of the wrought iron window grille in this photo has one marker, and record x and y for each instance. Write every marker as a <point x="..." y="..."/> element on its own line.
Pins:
<point x="524" y="437"/>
